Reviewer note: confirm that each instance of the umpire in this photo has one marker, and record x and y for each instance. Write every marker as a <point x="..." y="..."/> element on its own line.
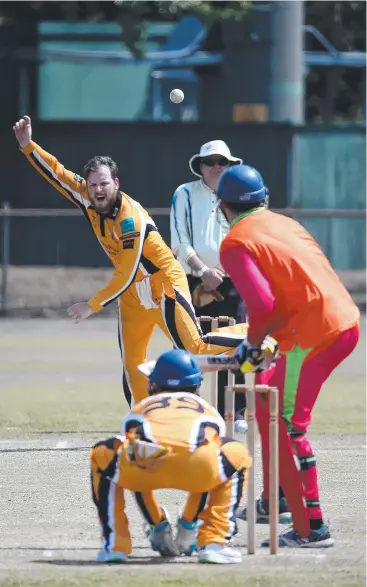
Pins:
<point x="197" y="230"/>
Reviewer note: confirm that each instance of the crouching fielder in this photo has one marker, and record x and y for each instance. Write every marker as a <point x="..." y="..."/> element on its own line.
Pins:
<point x="171" y="440"/>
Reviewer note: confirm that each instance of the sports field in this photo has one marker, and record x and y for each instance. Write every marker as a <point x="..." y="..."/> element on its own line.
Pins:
<point x="60" y="392"/>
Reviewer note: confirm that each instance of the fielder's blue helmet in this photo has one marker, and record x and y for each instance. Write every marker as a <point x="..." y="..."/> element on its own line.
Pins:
<point x="175" y="370"/>
<point x="241" y="184"/>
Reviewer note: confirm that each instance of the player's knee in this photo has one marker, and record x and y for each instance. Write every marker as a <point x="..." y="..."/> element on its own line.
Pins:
<point x="303" y="450"/>
<point x="300" y="442"/>
<point x="103" y="452"/>
<point x="234" y="456"/>
<point x="226" y="439"/>
<point x="100" y="457"/>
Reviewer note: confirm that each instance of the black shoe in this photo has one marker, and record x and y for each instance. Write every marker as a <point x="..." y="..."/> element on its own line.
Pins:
<point x="262" y="511"/>
<point x="316" y="539"/>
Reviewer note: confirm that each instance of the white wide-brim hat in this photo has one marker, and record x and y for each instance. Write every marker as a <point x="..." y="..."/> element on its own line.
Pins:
<point x="209" y="149"/>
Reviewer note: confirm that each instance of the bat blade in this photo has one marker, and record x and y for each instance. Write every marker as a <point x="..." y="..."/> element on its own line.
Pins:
<point x="207" y="364"/>
<point x="210" y="363"/>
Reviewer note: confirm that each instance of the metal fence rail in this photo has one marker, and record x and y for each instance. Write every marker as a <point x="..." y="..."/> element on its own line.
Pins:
<point x="292" y="212"/>
<point x="6" y="213"/>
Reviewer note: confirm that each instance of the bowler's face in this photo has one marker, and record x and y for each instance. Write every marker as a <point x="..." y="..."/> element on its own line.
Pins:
<point x="102" y="189"/>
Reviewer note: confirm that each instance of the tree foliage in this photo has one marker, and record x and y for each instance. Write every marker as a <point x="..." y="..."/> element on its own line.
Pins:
<point x="334" y="93"/>
<point x="331" y="93"/>
<point x="132" y="15"/>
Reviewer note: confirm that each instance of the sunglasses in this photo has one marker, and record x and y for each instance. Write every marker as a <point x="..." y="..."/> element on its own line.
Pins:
<point x="211" y="161"/>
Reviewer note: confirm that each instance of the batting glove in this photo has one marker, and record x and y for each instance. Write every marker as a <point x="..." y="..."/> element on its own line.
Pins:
<point x="255" y="359"/>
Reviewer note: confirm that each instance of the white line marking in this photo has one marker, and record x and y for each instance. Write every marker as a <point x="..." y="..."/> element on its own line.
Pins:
<point x="47" y="553"/>
<point x="61" y="444"/>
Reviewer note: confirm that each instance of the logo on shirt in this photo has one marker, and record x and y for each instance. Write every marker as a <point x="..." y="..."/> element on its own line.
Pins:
<point x="127" y="225"/>
<point x="78" y="178"/>
<point x="128" y="243"/>
<point x="129" y="235"/>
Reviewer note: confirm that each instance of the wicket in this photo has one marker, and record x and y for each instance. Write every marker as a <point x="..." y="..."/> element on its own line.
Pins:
<point x="273" y="463"/>
<point x="229" y="415"/>
<point x="229" y="411"/>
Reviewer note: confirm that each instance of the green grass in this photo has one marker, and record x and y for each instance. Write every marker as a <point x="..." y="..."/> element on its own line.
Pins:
<point x="71" y="382"/>
<point x="223" y="578"/>
<point x="26" y="343"/>
<point x="88" y="404"/>
<point x="341" y="406"/>
<point x="64" y="407"/>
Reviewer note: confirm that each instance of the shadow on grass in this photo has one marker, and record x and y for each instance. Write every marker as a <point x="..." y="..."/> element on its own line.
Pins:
<point x="148" y="560"/>
<point x="47" y="449"/>
<point x="53" y="549"/>
<point x="44" y="548"/>
<point x="81" y="431"/>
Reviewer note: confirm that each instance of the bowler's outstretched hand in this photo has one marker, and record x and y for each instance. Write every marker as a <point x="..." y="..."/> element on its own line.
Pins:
<point x="23" y="131"/>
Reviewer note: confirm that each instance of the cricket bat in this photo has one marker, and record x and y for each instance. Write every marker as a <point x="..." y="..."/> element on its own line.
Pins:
<point x="207" y="364"/>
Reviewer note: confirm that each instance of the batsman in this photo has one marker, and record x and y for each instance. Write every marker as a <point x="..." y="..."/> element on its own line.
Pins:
<point x="293" y="294"/>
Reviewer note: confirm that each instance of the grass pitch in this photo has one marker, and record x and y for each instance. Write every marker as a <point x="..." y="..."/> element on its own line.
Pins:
<point x="223" y="578"/>
<point x="58" y="378"/>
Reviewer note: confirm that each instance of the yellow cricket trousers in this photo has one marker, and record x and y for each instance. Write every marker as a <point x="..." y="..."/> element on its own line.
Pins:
<point x="213" y="475"/>
<point x="175" y="316"/>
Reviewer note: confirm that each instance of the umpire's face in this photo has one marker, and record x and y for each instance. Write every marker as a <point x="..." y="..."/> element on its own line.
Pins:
<point x="102" y="189"/>
<point x="212" y="168"/>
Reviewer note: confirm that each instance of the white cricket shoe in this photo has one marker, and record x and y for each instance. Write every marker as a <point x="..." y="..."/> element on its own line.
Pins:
<point x="219" y="554"/>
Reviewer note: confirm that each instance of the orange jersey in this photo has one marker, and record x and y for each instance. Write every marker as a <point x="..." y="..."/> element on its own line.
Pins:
<point x="311" y="303"/>
<point x="127" y="234"/>
<point x="180" y="420"/>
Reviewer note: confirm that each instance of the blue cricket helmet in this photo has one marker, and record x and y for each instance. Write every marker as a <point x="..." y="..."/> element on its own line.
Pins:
<point x="175" y="370"/>
<point x="241" y="184"/>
